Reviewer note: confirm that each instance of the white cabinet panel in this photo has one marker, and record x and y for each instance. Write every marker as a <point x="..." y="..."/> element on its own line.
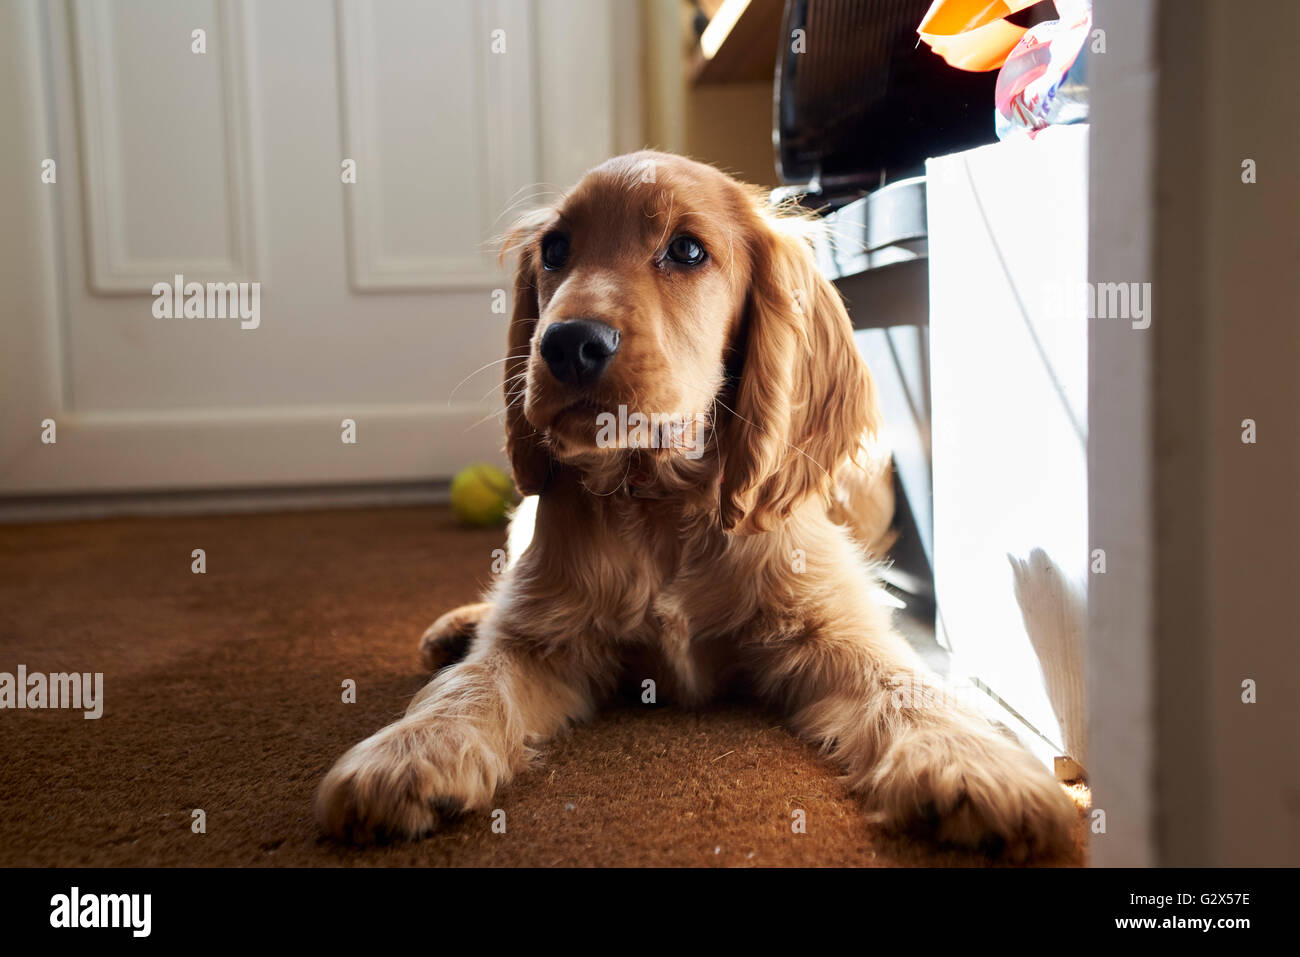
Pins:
<point x="438" y="113"/>
<point x="165" y="142"/>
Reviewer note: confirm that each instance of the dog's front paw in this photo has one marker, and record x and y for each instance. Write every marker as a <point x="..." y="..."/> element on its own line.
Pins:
<point x="401" y="782"/>
<point x="976" y="791"/>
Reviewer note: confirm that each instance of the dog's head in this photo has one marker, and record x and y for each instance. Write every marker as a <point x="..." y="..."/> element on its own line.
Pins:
<point x="662" y="288"/>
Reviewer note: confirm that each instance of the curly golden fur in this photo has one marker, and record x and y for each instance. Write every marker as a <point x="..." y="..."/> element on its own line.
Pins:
<point x="747" y="563"/>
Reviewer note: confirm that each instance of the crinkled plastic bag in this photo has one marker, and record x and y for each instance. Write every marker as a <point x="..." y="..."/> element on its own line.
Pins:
<point x="1043" y="81"/>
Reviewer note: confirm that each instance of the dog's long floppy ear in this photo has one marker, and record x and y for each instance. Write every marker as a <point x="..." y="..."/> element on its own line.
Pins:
<point x="805" y="402"/>
<point x="530" y="463"/>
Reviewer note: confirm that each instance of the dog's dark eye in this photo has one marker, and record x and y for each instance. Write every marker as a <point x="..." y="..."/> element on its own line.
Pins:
<point x="555" y="251"/>
<point x="686" y="250"/>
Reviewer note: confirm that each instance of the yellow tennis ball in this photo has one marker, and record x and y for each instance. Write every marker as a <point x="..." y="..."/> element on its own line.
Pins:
<point x="481" y="494"/>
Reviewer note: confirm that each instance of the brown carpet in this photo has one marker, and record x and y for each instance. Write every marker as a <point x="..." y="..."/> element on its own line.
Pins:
<point x="223" y="692"/>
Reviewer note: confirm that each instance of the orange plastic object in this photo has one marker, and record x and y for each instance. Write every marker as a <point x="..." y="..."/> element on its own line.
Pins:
<point x="972" y="35"/>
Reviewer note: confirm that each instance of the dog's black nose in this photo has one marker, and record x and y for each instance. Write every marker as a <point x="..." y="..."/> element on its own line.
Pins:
<point x="577" y="351"/>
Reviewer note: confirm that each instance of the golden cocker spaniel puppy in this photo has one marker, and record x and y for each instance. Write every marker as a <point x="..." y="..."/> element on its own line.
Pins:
<point x="685" y="399"/>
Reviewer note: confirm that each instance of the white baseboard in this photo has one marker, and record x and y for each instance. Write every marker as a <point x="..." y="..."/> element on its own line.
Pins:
<point x="200" y="449"/>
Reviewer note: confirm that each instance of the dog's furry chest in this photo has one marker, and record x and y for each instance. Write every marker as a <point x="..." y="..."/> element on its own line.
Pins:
<point x="674" y="629"/>
<point x="666" y="586"/>
<point x="691" y="597"/>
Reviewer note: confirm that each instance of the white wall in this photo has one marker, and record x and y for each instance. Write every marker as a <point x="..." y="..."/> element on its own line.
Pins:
<point x="1199" y="597"/>
<point x="1121" y="656"/>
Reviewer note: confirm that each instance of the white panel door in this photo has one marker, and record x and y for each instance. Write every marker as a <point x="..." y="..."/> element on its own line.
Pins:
<point x="349" y="163"/>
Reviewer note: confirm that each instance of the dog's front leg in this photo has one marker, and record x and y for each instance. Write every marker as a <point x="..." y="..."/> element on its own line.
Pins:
<point x="463" y="735"/>
<point x="917" y="754"/>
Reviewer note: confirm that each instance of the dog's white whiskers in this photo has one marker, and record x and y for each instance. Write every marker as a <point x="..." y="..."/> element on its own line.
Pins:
<point x="485" y="366"/>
